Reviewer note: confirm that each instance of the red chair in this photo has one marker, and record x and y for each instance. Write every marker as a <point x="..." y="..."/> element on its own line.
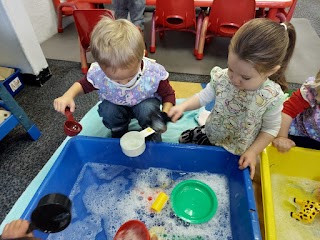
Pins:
<point x="177" y="15"/>
<point x="85" y="21"/>
<point x="282" y="15"/>
<point x="285" y="15"/>
<point x="225" y="18"/>
<point x="66" y="8"/>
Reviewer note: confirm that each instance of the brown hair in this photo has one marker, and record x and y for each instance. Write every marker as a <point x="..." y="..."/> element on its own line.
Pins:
<point x="116" y="43"/>
<point x="318" y="77"/>
<point x="266" y="44"/>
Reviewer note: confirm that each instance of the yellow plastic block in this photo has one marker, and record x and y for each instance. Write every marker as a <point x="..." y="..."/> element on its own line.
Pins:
<point x="160" y="201"/>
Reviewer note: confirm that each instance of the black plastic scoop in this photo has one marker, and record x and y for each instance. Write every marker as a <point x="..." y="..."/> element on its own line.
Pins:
<point x="52" y="214"/>
<point x="159" y="121"/>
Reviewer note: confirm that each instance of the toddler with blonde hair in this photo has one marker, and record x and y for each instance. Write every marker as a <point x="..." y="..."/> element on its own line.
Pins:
<point x="129" y="85"/>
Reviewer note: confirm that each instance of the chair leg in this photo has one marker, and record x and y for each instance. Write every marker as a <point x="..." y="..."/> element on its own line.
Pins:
<point x="199" y="24"/>
<point x="291" y="10"/>
<point x="153" y="34"/>
<point x="83" y="59"/>
<point x="203" y="34"/>
<point x="59" y="10"/>
<point x="60" y="28"/>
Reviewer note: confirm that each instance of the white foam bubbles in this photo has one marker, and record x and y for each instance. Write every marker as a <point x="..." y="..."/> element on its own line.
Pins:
<point x="114" y="194"/>
<point x="85" y="229"/>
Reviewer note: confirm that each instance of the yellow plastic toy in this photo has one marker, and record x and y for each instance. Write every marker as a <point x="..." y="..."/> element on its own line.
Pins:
<point x="160" y="201"/>
<point x="308" y="210"/>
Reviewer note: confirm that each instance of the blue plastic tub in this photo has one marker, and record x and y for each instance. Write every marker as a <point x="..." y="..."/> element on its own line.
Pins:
<point x="189" y="158"/>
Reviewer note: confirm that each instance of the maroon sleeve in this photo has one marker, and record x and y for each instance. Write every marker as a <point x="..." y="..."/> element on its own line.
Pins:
<point x="295" y="104"/>
<point x="86" y="86"/>
<point x="166" y="92"/>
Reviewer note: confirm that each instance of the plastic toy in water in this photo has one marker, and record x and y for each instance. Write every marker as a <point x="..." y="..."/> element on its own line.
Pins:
<point x="308" y="210"/>
<point x="132" y="230"/>
<point x="160" y="202"/>
<point x="194" y="201"/>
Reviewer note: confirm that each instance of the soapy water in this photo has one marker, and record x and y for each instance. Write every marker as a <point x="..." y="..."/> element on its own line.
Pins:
<point x="284" y="190"/>
<point x="106" y="196"/>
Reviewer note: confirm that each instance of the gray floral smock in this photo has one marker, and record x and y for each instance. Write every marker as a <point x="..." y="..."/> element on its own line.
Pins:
<point x="237" y="116"/>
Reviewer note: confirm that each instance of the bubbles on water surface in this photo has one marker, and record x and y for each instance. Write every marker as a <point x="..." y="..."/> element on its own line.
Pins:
<point x="106" y="196"/>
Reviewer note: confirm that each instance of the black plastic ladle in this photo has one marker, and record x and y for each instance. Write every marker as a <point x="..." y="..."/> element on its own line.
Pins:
<point x="52" y="214"/>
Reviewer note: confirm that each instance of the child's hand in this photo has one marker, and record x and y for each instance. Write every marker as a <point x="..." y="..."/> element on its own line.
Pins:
<point x="16" y="229"/>
<point x="175" y="113"/>
<point x="62" y="102"/>
<point x="249" y="158"/>
<point x="283" y="144"/>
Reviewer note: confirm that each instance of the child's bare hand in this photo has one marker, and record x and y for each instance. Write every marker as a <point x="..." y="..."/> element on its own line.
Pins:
<point x="175" y="113"/>
<point x="62" y="102"/>
<point x="16" y="229"/>
<point x="248" y="159"/>
<point x="283" y="144"/>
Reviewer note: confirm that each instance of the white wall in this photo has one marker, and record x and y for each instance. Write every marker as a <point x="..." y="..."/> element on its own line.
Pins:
<point x="43" y="18"/>
<point x="19" y="45"/>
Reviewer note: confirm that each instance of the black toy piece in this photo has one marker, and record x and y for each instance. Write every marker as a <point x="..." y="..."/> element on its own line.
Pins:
<point x="159" y="121"/>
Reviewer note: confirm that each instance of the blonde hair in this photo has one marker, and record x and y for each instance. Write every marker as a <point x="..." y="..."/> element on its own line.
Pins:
<point x="265" y="44"/>
<point x="116" y="43"/>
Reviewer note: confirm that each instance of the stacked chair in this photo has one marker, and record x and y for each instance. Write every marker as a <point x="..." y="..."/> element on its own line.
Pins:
<point x="176" y="15"/>
<point x="85" y="21"/>
<point x="66" y="8"/>
<point x="225" y="18"/>
<point x="283" y="14"/>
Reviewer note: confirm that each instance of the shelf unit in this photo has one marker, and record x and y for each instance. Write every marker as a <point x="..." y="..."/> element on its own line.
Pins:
<point x="18" y="116"/>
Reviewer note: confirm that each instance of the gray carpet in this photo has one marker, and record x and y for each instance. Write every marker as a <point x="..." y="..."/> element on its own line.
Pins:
<point x="21" y="159"/>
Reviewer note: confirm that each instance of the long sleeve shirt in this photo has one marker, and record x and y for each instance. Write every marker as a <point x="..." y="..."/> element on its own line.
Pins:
<point x="304" y="107"/>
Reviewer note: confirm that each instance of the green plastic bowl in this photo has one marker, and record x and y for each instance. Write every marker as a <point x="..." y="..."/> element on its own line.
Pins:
<point x="194" y="201"/>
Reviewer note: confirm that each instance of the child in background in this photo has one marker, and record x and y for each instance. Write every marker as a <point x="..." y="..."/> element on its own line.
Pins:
<point x="135" y="8"/>
<point x="248" y="95"/>
<point x="300" y="124"/>
<point x="129" y="85"/>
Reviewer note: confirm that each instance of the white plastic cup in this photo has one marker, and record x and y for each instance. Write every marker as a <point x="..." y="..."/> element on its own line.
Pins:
<point x="133" y="143"/>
